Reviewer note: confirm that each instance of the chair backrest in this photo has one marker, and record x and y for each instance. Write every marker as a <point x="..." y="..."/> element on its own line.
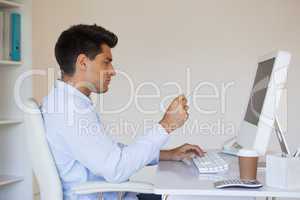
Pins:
<point x="42" y="160"/>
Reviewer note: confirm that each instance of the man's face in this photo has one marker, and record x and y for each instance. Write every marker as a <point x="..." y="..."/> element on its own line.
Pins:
<point x="100" y="70"/>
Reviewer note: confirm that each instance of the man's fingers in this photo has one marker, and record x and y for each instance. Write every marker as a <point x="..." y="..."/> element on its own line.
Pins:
<point x="199" y="150"/>
<point x="188" y="147"/>
<point x="179" y="104"/>
<point x="182" y="99"/>
<point x="186" y="116"/>
<point x="189" y="155"/>
<point x="186" y="107"/>
<point x="194" y="148"/>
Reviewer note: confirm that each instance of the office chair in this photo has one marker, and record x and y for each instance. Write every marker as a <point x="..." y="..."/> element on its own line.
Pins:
<point x="45" y="170"/>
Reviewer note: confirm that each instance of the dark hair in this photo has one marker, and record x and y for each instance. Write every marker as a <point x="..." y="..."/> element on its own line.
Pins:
<point x="81" y="39"/>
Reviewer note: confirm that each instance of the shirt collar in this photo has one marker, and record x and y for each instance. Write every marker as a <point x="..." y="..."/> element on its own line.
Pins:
<point x="71" y="90"/>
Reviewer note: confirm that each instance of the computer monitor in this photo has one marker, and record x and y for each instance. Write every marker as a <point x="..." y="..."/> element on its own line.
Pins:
<point x="258" y="123"/>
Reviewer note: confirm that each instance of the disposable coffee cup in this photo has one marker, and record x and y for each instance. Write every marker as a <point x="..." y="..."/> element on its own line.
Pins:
<point x="248" y="160"/>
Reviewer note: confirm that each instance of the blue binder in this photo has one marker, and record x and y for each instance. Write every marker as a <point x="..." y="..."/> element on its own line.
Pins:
<point x="15" y="37"/>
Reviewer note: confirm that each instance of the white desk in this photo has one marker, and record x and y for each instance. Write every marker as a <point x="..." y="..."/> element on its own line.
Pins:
<point x="177" y="178"/>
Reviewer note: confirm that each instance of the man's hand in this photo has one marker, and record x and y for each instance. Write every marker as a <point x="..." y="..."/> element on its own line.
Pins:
<point x="186" y="151"/>
<point x="176" y="114"/>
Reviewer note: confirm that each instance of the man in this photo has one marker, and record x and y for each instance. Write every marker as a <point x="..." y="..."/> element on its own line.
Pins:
<point x="81" y="149"/>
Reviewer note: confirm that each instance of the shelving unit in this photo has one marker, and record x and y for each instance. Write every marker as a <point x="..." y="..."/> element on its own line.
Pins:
<point x="15" y="170"/>
<point x="9" y="4"/>
<point x="10" y="121"/>
<point x="7" y="180"/>
<point x="9" y="63"/>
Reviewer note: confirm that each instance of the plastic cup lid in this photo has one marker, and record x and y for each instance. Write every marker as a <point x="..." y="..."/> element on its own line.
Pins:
<point x="247" y="153"/>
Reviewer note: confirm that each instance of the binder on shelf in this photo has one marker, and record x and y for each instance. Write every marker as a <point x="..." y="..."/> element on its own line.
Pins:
<point x="6" y="36"/>
<point x="15" y="1"/>
<point x="1" y="35"/>
<point x="15" y="54"/>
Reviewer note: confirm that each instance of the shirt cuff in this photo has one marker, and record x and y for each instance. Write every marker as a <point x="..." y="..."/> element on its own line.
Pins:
<point x="156" y="159"/>
<point x="160" y="137"/>
<point x="161" y="129"/>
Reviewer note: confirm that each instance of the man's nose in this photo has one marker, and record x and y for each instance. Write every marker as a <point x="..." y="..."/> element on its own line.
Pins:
<point x="112" y="71"/>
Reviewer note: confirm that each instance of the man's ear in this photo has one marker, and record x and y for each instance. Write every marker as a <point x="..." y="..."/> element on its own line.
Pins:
<point x="81" y="62"/>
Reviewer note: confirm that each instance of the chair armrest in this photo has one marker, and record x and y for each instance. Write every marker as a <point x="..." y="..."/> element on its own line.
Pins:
<point x="99" y="187"/>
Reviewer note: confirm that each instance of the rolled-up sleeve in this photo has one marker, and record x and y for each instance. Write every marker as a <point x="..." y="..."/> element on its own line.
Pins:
<point x="103" y="156"/>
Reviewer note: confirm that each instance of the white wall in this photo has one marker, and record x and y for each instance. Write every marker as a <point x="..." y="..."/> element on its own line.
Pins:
<point x="219" y="41"/>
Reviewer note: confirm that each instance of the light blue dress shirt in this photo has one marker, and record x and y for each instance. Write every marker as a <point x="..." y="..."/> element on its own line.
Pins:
<point x="81" y="149"/>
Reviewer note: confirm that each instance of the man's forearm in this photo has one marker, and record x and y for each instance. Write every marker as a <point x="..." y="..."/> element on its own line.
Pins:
<point x="166" y="155"/>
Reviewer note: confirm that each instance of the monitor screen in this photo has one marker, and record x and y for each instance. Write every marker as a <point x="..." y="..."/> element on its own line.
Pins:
<point x="259" y="91"/>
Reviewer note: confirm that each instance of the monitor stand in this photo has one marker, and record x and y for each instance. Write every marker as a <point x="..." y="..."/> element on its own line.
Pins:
<point x="232" y="146"/>
<point x="281" y="138"/>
